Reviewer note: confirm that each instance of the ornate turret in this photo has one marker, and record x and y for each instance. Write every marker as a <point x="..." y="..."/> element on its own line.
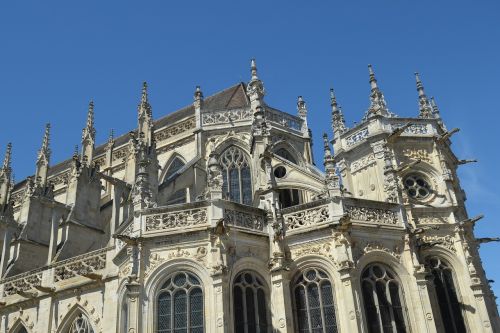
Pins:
<point x="5" y="177"/>
<point x="378" y="105"/>
<point x="88" y="137"/>
<point x="145" y="129"/>
<point x="424" y="106"/>
<point x="43" y="160"/>
<point x="338" y="122"/>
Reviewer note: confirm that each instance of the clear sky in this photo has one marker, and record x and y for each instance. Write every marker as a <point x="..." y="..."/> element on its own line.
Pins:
<point x="57" y="55"/>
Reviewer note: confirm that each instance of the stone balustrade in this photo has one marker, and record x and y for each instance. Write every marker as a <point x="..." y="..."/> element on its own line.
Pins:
<point x="284" y="119"/>
<point x="85" y="264"/>
<point x="172" y="218"/>
<point x="244" y="217"/>
<point x="307" y="215"/>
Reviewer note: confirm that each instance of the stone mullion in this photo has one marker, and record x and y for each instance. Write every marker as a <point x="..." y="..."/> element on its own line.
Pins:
<point x="423" y="286"/>
<point x="348" y="314"/>
<point x="281" y="303"/>
<point x="221" y="322"/>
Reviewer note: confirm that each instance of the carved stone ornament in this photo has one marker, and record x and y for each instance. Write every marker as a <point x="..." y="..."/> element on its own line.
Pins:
<point x="307" y="217"/>
<point x="176" y="219"/>
<point x="445" y="241"/>
<point x="284" y="119"/>
<point x="80" y="265"/>
<point x="175" y="129"/>
<point x="362" y="163"/>
<point x="199" y="254"/>
<point x="374" y="215"/>
<point x="357" y="137"/>
<point x="22" y="282"/>
<point x="244" y="219"/>
<point x="415" y="129"/>
<point x="377" y="246"/>
<point x="323" y="249"/>
<point x="225" y="116"/>
<point x="417" y="154"/>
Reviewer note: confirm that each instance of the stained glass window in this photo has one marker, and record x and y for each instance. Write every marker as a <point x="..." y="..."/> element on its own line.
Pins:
<point x="237" y="183"/>
<point x="382" y="299"/>
<point x="180" y="305"/>
<point x="173" y="167"/>
<point x="180" y="195"/>
<point x="81" y="324"/>
<point x="22" y="329"/>
<point x="314" y="306"/>
<point x="250" y="305"/>
<point x="446" y="294"/>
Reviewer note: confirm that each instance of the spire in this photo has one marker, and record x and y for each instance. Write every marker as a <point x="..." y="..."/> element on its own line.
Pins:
<point x="255" y="88"/>
<point x="326" y="147"/>
<point x="111" y="138"/>
<point x="378" y="105"/>
<point x="423" y="102"/>
<point x="145" y="130"/>
<point x="332" y="180"/>
<point x="88" y="136"/>
<point x="436" y="114"/>
<point x="42" y="163"/>
<point x="5" y="178"/>
<point x="6" y="168"/>
<point x="338" y="122"/>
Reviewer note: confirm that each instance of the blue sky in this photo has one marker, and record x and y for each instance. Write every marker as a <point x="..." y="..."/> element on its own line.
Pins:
<point x="57" y="55"/>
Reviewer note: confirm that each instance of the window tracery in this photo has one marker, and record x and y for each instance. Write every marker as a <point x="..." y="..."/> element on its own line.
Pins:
<point x="446" y="295"/>
<point x="81" y="324"/>
<point x="314" y="305"/>
<point x="250" y="304"/>
<point x="382" y="298"/>
<point x="178" y="196"/>
<point x="417" y="186"/>
<point x="173" y="167"/>
<point x="180" y="305"/>
<point x="237" y="183"/>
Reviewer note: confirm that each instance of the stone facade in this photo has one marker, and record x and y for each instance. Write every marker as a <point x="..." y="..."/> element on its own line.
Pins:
<point x="214" y="218"/>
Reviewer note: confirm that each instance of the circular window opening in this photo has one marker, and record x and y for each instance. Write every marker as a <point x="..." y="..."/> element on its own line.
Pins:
<point x="417" y="187"/>
<point x="280" y="172"/>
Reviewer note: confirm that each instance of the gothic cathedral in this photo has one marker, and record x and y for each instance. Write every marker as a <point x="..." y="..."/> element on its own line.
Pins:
<point x="215" y="218"/>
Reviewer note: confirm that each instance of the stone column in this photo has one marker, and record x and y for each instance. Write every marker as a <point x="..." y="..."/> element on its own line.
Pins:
<point x="134" y="306"/>
<point x="281" y="302"/>
<point x="220" y="320"/>
<point x="349" y="316"/>
<point x="423" y="285"/>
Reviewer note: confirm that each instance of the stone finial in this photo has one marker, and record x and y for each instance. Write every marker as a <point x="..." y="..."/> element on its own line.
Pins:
<point x="198" y="98"/>
<point x="424" y="106"/>
<point x="338" y="122"/>
<point x="43" y="160"/>
<point x="44" y="151"/>
<point x="326" y="147"/>
<point x="145" y="117"/>
<point x="378" y="105"/>
<point x="255" y="88"/>
<point x="6" y="167"/>
<point x="144" y="107"/>
<point x="88" y="136"/>
<point x="301" y="107"/>
<point x="437" y="114"/>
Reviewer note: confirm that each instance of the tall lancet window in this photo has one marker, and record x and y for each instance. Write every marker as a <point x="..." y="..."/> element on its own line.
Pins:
<point x="178" y="196"/>
<point x="179" y="306"/>
<point x="445" y="293"/>
<point x="382" y="298"/>
<point x="250" y="305"/>
<point x="81" y="324"/>
<point x="314" y="306"/>
<point x="237" y="183"/>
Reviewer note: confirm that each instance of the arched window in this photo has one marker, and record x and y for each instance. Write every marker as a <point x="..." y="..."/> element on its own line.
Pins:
<point x="21" y="329"/>
<point x="383" y="300"/>
<point x="180" y="305"/>
<point x="282" y="152"/>
<point x="314" y="307"/>
<point x="237" y="184"/>
<point x="173" y="167"/>
<point x="178" y="196"/>
<point x="250" y="306"/>
<point x="81" y="324"/>
<point x="446" y="294"/>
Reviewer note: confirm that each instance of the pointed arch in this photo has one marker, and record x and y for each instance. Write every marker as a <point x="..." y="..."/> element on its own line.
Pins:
<point x="173" y="164"/>
<point x="236" y="175"/>
<point x="77" y="320"/>
<point x="280" y="147"/>
<point x="19" y="327"/>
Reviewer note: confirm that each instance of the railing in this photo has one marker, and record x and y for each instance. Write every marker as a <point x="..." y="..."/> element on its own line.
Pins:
<point x="284" y="119"/>
<point x="307" y="215"/>
<point x="171" y="218"/>
<point x="225" y="116"/>
<point x="22" y="282"/>
<point x="245" y="217"/>
<point x="81" y="265"/>
<point x="376" y="212"/>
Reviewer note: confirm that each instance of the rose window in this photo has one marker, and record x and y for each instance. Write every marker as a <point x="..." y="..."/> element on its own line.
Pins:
<point x="417" y="187"/>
